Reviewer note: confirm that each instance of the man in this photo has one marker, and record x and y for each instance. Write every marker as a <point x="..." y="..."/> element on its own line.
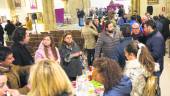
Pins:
<point x="138" y="18"/>
<point x="1" y="35"/>
<point x="97" y="25"/>
<point x="9" y="28"/>
<point x="89" y="35"/>
<point x="107" y="41"/>
<point x="136" y="33"/>
<point x="155" y="43"/>
<point x="12" y="72"/>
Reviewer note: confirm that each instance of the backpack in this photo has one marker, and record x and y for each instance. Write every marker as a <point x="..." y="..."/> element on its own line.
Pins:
<point x="152" y="86"/>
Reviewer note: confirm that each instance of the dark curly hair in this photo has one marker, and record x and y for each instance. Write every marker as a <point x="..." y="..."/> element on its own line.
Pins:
<point x="110" y="71"/>
<point x="19" y="34"/>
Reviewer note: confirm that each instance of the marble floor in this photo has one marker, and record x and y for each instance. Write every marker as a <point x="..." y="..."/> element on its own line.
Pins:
<point x="165" y="78"/>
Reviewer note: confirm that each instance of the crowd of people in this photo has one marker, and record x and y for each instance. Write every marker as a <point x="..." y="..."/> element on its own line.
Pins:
<point x="124" y="53"/>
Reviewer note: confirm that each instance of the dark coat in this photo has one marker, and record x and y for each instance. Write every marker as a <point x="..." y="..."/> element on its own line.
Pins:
<point x="156" y="45"/>
<point x="9" y="28"/>
<point x="13" y="74"/>
<point x="165" y="29"/>
<point x="21" y="54"/>
<point x="72" y="66"/>
<point x="1" y="35"/>
<point x="118" y="53"/>
<point x="106" y="43"/>
<point x="123" y="88"/>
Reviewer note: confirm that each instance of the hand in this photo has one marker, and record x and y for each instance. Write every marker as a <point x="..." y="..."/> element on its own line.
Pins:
<point x="14" y="92"/>
<point x="76" y="54"/>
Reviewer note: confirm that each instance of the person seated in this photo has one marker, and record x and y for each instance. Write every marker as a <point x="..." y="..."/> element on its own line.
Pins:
<point x="109" y="73"/>
<point x="47" y="50"/>
<point x="13" y="72"/>
<point x="47" y="78"/>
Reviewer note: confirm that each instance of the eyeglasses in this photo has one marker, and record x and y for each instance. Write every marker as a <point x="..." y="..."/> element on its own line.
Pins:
<point x="135" y="28"/>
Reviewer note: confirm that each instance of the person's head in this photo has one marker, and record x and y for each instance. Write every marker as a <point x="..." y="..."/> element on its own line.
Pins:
<point x="96" y="21"/>
<point x="3" y="85"/>
<point x="48" y="42"/>
<point x="6" y="56"/>
<point x="88" y="21"/>
<point x="148" y="15"/>
<point x="21" y="35"/>
<point x="102" y="19"/>
<point x="125" y="30"/>
<point x="144" y="19"/>
<point x="108" y="72"/>
<point x="133" y="17"/>
<point x="155" y="18"/>
<point x="135" y="28"/>
<point x="8" y="21"/>
<point x="47" y="78"/>
<point x="27" y="18"/>
<point x="149" y="26"/>
<point x="67" y="38"/>
<point x="136" y="50"/>
<point x="135" y="12"/>
<point x="109" y="26"/>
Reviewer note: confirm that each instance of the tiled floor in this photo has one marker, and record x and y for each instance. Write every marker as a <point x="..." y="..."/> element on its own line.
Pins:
<point x="165" y="78"/>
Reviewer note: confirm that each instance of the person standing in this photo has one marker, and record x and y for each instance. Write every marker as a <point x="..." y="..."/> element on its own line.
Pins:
<point x="89" y="36"/>
<point x="1" y="34"/>
<point x="28" y="24"/>
<point x="9" y="28"/>
<point x="107" y="41"/>
<point x="155" y="43"/>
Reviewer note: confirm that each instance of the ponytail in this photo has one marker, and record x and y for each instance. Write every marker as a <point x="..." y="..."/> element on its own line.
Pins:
<point x="146" y="59"/>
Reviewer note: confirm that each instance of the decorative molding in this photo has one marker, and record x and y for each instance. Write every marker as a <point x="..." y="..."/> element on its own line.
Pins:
<point x="150" y="2"/>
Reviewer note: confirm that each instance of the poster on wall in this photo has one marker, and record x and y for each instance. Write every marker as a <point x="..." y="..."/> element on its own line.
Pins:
<point x="33" y="4"/>
<point x="59" y="14"/>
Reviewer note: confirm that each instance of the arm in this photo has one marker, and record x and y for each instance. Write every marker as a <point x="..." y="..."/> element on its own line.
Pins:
<point x="156" y="49"/>
<point x="38" y="55"/>
<point x="99" y="45"/>
<point x="94" y="32"/>
<point x="58" y="54"/>
<point x="18" y="59"/>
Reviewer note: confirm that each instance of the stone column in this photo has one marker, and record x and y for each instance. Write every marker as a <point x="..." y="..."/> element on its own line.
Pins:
<point x="11" y="7"/>
<point x="49" y="15"/>
<point x="135" y="6"/>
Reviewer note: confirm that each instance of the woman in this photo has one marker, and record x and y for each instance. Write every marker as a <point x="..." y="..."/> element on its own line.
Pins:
<point x="89" y="40"/>
<point x="139" y="66"/>
<point x="47" y="50"/>
<point x="47" y="78"/>
<point x="109" y="73"/>
<point x="70" y="56"/>
<point x="20" y="51"/>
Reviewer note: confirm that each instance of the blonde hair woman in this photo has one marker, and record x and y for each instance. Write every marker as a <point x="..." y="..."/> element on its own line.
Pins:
<point x="48" y="79"/>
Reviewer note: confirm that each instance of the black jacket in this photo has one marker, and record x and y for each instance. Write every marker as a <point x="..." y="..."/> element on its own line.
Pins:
<point x="9" y="28"/>
<point x="21" y="54"/>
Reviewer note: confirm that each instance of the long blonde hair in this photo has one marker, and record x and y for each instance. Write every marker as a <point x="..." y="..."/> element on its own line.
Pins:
<point x="48" y="79"/>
